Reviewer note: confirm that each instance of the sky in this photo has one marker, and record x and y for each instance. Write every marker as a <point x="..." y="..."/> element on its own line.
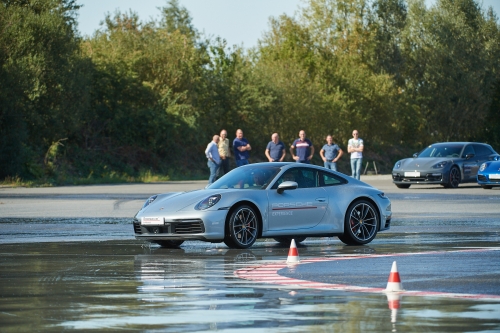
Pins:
<point x="239" y="22"/>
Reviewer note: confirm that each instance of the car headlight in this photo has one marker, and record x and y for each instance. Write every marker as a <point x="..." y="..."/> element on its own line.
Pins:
<point x="483" y="166"/>
<point x="440" y="165"/>
<point x="149" y="201"/>
<point x="208" y="202"/>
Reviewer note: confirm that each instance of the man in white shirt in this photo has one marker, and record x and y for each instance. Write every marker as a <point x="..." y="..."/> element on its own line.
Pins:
<point x="355" y="148"/>
<point x="212" y="153"/>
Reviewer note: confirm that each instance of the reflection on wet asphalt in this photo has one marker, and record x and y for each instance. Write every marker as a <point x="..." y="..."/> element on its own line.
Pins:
<point x="128" y="285"/>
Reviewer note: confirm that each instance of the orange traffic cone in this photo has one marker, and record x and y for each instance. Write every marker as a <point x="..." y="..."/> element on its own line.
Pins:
<point x="394" y="283"/>
<point x="293" y="253"/>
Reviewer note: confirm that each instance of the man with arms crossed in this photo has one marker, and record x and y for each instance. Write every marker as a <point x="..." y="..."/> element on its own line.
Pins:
<point x="241" y="149"/>
<point x="355" y="148"/>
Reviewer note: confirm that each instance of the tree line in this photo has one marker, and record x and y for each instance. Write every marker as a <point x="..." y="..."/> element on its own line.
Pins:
<point x="145" y="97"/>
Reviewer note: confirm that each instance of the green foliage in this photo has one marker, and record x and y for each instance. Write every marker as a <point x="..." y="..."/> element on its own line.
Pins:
<point x="139" y="100"/>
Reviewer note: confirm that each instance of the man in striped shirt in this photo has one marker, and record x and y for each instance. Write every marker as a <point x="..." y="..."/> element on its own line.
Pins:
<point x="303" y="147"/>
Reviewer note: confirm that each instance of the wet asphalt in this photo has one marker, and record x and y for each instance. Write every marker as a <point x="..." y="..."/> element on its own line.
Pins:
<point x="69" y="261"/>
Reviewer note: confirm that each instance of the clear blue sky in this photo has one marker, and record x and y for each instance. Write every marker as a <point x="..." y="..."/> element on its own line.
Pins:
<point x="240" y="22"/>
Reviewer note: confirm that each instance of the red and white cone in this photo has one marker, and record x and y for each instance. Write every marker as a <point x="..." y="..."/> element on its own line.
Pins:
<point x="293" y="253"/>
<point x="394" y="283"/>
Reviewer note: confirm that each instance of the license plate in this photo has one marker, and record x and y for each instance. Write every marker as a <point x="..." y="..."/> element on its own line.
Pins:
<point x="412" y="174"/>
<point x="495" y="176"/>
<point x="152" y="220"/>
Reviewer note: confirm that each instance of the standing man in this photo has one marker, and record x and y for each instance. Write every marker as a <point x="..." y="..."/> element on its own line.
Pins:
<point x="304" y="148"/>
<point x="330" y="153"/>
<point x="212" y="153"/>
<point x="241" y="149"/>
<point x="224" y="151"/>
<point x="355" y="148"/>
<point x="275" y="150"/>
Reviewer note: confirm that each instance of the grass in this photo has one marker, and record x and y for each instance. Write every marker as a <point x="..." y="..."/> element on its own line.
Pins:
<point x="93" y="179"/>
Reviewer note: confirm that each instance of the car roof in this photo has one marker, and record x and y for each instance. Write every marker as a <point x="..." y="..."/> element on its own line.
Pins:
<point x="457" y="143"/>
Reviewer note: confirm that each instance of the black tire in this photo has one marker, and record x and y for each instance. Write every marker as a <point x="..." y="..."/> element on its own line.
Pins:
<point x="487" y="187"/>
<point x="170" y="244"/>
<point x="453" y="178"/>
<point x="288" y="240"/>
<point x="242" y="228"/>
<point x="403" y="185"/>
<point x="361" y="223"/>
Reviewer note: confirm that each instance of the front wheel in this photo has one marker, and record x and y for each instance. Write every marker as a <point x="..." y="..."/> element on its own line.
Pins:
<point x="170" y="244"/>
<point x="403" y="185"/>
<point x="487" y="187"/>
<point x="361" y="223"/>
<point x="242" y="228"/>
<point x="453" y="178"/>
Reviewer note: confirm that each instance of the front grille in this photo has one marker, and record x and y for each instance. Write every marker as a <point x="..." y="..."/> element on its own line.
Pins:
<point x="482" y="178"/>
<point x="423" y="178"/>
<point x="137" y="228"/>
<point x="188" y="227"/>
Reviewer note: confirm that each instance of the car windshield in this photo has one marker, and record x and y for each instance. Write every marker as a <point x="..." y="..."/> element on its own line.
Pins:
<point x="451" y="150"/>
<point x="247" y="177"/>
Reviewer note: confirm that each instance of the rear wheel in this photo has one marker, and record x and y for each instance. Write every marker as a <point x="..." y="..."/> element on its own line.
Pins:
<point x="242" y="228"/>
<point x="487" y="187"/>
<point x="288" y="240"/>
<point x="453" y="178"/>
<point x="171" y="244"/>
<point x="403" y="185"/>
<point x="361" y="223"/>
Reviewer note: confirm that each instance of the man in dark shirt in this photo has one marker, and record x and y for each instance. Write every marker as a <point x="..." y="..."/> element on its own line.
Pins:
<point x="304" y="149"/>
<point x="275" y="150"/>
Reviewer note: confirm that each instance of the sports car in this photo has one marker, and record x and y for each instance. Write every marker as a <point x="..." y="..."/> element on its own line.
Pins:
<point x="489" y="174"/>
<point x="283" y="201"/>
<point x="445" y="163"/>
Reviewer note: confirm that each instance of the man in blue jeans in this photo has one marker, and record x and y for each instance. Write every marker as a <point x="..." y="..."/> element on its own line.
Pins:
<point x="212" y="153"/>
<point x="330" y="153"/>
<point x="355" y="148"/>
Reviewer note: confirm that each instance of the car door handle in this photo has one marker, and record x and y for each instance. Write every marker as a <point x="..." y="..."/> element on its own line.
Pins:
<point x="321" y="199"/>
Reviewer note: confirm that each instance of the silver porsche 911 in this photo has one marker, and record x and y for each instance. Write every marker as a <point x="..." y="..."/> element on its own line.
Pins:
<point x="267" y="200"/>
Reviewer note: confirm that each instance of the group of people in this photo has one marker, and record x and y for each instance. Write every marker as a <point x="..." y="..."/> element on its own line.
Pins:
<point x="218" y="152"/>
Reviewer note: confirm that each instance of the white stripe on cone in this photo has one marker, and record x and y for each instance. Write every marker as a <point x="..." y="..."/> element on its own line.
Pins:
<point x="293" y="253"/>
<point x="394" y="283"/>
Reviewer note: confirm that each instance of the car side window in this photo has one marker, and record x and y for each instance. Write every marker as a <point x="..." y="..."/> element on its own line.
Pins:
<point x="482" y="150"/>
<point x="468" y="150"/>
<point x="328" y="179"/>
<point x="303" y="177"/>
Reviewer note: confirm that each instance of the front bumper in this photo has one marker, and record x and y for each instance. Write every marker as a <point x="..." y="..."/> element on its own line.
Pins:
<point x="398" y="177"/>
<point x="209" y="226"/>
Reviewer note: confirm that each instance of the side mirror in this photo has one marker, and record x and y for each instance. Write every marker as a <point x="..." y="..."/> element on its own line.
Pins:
<point x="469" y="156"/>
<point x="287" y="186"/>
<point x="415" y="155"/>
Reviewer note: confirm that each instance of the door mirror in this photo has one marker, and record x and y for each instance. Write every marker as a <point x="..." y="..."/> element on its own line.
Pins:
<point x="469" y="156"/>
<point x="288" y="185"/>
<point x="415" y="155"/>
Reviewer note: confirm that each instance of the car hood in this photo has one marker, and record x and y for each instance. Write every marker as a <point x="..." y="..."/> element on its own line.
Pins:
<point x="174" y="202"/>
<point x="421" y="163"/>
